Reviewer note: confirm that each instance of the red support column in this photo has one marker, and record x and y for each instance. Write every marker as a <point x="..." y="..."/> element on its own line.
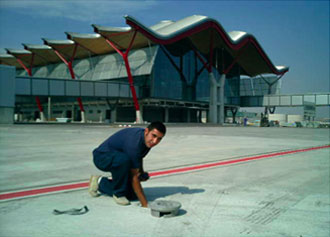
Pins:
<point x="72" y="74"/>
<point x="129" y="73"/>
<point x="29" y="71"/>
<point x="39" y="104"/>
<point x="80" y="104"/>
<point x="69" y="64"/>
<point x="131" y="83"/>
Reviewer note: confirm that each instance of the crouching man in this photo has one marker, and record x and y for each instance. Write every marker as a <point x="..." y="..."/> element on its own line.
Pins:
<point x="122" y="154"/>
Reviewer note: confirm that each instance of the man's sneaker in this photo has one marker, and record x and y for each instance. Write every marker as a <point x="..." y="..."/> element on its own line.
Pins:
<point x="121" y="200"/>
<point x="94" y="185"/>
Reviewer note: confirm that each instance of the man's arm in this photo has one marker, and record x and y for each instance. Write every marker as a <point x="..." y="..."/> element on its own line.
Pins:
<point x="138" y="188"/>
<point x="141" y="168"/>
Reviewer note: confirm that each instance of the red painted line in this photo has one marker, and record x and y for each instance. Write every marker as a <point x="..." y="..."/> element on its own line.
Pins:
<point x="39" y="191"/>
<point x="220" y="163"/>
<point x="70" y="187"/>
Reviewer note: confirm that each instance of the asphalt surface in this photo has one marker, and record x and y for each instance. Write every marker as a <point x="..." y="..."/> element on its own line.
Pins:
<point x="281" y="194"/>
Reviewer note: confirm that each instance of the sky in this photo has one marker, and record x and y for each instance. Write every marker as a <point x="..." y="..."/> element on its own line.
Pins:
<point x="292" y="33"/>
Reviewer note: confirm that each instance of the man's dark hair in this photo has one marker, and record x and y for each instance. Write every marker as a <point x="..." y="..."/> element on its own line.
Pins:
<point x="157" y="125"/>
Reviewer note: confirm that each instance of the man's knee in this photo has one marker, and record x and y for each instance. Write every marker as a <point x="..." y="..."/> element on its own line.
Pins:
<point x="102" y="160"/>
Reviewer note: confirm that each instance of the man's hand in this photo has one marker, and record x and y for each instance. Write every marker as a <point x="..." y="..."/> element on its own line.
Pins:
<point x="144" y="176"/>
<point x="138" y="188"/>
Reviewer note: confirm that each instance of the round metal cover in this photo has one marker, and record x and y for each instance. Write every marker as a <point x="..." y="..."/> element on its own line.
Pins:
<point x="161" y="208"/>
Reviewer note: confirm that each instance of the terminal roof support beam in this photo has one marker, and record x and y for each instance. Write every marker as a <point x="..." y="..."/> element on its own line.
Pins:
<point x="172" y="62"/>
<point x="24" y="57"/>
<point x="270" y="109"/>
<point x="69" y="64"/>
<point x="198" y="72"/>
<point x="124" y="55"/>
<point x="227" y="70"/>
<point x="27" y="69"/>
<point x="202" y="60"/>
<point x="270" y="84"/>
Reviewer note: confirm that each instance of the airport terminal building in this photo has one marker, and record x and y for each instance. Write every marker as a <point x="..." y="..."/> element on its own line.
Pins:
<point x="190" y="70"/>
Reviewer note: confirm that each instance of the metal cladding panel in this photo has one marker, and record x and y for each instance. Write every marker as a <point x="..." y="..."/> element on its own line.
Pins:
<point x="23" y="86"/>
<point x="297" y="100"/>
<point x="87" y="88"/>
<point x="322" y="99"/>
<point x="56" y="88"/>
<point x="72" y="88"/>
<point x="285" y="100"/>
<point x="83" y="69"/>
<point x="309" y="99"/>
<point x="7" y="86"/>
<point x="124" y="91"/>
<point x="274" y="101"/>
<point x="265" y="101"/>
<point x="113" y="90"/>
<point x="100" y="89"/>
<point x="39" y="87"/>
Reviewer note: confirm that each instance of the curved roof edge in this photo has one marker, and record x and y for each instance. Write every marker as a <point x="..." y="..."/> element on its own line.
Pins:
<point x="18" y="51"/>
<point x="72" y="35"/>
<point x="36" y="46"/>
<point x="111" y="29"/>
<point x="57" y="42"/>
<point x="5" y="55"/>
<point x="189" y="26"/>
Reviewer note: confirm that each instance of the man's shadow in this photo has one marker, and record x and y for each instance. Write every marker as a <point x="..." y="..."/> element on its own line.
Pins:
<point x="154" y="193"/>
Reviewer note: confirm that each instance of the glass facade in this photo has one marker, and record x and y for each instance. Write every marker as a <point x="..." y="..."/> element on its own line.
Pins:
<point x="260" y="86"/>
<point x="166" y="81"/>
<point x="157" y="74"/>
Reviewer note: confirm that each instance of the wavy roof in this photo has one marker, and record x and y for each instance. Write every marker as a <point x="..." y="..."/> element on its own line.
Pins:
<point x="201" y="32"/>
<point x="228" y="52"/>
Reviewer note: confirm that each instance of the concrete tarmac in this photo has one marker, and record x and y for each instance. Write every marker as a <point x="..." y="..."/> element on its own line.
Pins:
<point x="282" y="195"/>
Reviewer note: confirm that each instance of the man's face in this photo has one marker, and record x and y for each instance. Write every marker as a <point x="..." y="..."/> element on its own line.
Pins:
<point x="152" y="137"/>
